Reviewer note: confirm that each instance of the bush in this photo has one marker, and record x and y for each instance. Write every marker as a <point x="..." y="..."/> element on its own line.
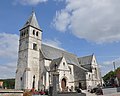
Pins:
<point x="27" y="93"/>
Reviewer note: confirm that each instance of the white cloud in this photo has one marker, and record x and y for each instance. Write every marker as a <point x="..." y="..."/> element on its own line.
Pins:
<point x="94" y="20"/>
<point x="30" y="2"/>
<point x="54" y="43"/>
<point x="117" y="62"/>
<point x="62" y="20"/>
<point x="8" y="45"/>
<point x="107" y="66"/>
<point x="8" y="54"/>
<point x="8" y="70"/>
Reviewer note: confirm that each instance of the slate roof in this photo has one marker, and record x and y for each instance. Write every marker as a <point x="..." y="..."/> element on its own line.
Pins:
<point x="32" y="21"/>
<point x="53" y="53"/>
<point x="55" y="61"/>
<point x="86" y="62"/>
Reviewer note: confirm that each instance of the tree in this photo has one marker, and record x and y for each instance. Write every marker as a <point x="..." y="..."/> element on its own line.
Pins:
<point x="111" y="74"/>
<point x="108" y="76"/>
<point x="8" y="83"/>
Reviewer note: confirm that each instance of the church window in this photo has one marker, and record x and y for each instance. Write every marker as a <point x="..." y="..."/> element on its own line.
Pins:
<point x="95" y="73"/>
<point x="34" y="46"/>
<point x="23" y="33"/>
<point x="70" y="70"/>
<point x="37" y="33"/>
<point x="64" y="63"/>
<point x="21" y="78"/>
<point x="33" y="32"/>
<point x="89" y="76"/>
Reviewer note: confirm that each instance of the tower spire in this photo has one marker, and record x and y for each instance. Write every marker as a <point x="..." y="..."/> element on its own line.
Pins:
<point x="32" y="21"/>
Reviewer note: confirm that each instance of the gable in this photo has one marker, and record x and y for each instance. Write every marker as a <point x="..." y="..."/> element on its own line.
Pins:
<point x="63" y="65"/>
<point x="94" y="61"/>
<point x="55" y="63"/>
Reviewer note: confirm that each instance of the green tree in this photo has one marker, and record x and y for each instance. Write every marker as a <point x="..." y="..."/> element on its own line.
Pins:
<point x="8" y="83"/>
<point x="108" y="75"/>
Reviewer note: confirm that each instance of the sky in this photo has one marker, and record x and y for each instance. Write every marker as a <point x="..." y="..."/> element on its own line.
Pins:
<point x="81" y="27"/>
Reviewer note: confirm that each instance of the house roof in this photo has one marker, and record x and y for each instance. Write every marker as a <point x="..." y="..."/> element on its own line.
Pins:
<point x="32" y="21"/>
<point x="53" y="53"/>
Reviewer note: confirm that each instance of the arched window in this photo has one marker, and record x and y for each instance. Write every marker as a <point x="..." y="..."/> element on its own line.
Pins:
<point x="33" y="32"/>
<point x="21" y="78"/>
<point x="22" y="33"/>
<point x="95" y="73"/>
<point x="70" y="70"/>
<point x="89" y="76"/>
<point x="64" y="63"/>
<point x="37" y="33"/>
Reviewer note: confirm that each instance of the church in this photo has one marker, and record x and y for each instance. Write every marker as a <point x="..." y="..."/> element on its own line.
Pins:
<point x="37" y="61"/>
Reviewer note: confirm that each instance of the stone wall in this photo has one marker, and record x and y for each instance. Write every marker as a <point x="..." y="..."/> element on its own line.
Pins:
<point x="8" y="92"/>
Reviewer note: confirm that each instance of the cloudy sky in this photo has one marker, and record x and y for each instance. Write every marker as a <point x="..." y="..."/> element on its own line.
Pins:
<point x="82" y="27"/>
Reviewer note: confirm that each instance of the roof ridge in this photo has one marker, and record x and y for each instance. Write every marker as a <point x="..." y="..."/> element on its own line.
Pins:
<point x="86" y="56"/>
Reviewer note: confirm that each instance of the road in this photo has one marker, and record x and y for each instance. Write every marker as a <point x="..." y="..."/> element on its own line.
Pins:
<point x="90" y="94"/>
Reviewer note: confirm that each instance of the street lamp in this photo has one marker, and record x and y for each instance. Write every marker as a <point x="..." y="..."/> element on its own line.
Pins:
<point x="114" y="66"/>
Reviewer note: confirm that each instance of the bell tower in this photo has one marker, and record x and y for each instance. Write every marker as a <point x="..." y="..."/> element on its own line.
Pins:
<point x="27" y="73"/>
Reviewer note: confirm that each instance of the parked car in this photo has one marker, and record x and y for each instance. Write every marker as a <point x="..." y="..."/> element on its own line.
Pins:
<point x="99" y="91"/>
<point x="93" y="90"/>
<point x="78" y="90"/>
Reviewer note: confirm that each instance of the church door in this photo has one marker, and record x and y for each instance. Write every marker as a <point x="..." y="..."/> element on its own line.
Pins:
<point x="63" y="84"/>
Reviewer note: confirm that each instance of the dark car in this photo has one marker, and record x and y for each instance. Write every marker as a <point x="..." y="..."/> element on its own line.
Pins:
<point x="99" y="91"/>
<point x="94" y="90"/>
<point x="78" y="90"/>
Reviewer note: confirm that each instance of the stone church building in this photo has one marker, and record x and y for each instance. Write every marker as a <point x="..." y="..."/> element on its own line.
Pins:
<point x="37" y="61"/>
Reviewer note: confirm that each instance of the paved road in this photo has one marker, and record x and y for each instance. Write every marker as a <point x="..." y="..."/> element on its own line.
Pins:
<point x="90" y="94"/>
